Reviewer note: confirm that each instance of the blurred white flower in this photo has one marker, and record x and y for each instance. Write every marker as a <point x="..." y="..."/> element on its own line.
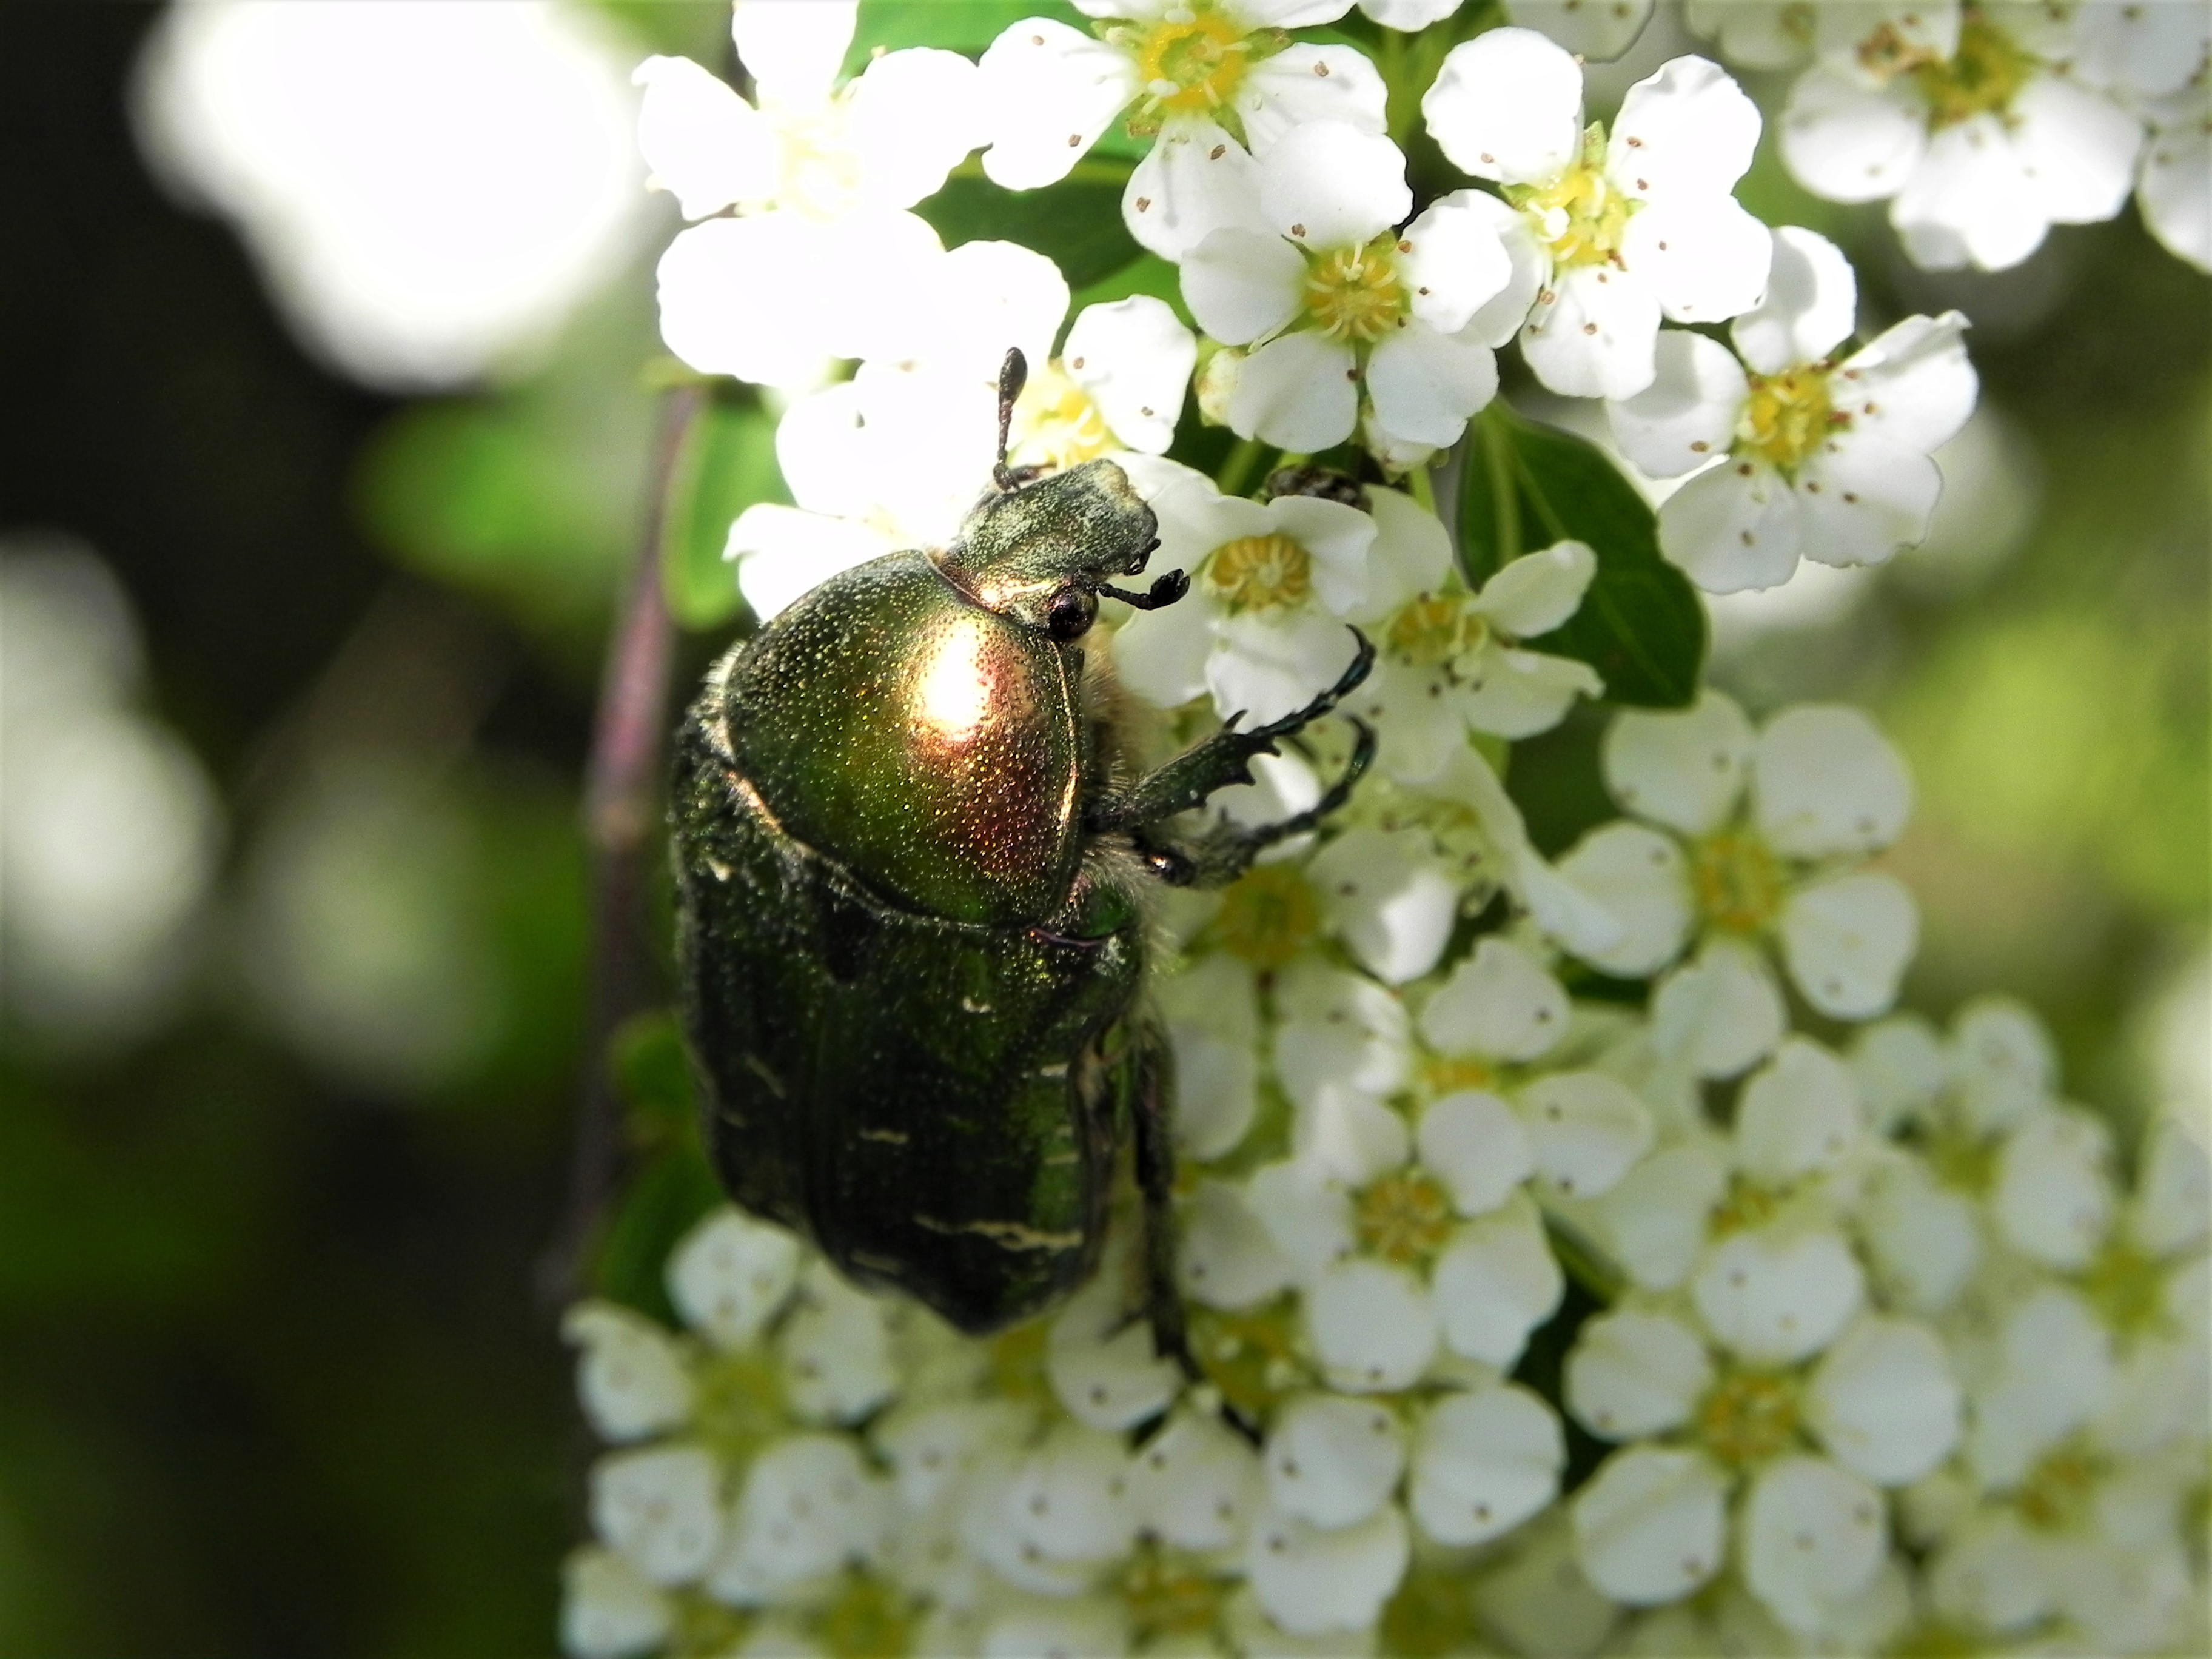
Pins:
<point x="1768" y="830"/>
<point x="1215" y="83"/>
<point x="1336" y="301"/>
<point x="1801" y="453"/>
<point x="1761" y="35"/>
<point x="2173" y="184"/>
<point x="1971" y="120"/>
<point x="1624" y="230"/>
<point x="429" y="190"/>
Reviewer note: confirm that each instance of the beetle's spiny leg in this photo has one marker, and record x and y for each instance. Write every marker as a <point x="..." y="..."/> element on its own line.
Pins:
<point x="1153" y="1080"/>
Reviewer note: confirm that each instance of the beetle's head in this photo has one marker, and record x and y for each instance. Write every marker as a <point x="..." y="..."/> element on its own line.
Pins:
<point x="1042" y="549"/>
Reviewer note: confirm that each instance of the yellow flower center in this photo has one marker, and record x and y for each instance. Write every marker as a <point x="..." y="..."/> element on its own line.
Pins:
<point x="1168" y="1591"/>
<point x="1432" y="1615"/>
<point x="1406" y="1217"/>
<point x="1355" y="293"/>
<point x="738" y="1405"/>
<point x="1749" y="1417"/>
<point x="2126" y="1286"/>
<point x="699" y="1624"/>
<point x="2060" y="1490"/>
<point x="1056" y="424"/>
<point x="1260" y="573"/>
<point x="1446" y="1076"/>
<point x="1192" y="59"/>
<point x="1250" y="1357"/>
<point x="1786" y="417"/>
<point x="1580" y="215"/>
<point x="818" y="168"/>
<point x="1737" y="881"/>
<point x="1745" y="1205"/>
<point x="1431" y="630"/>
<point x="1962" y="1160"/>
<point x="1017" y="1364"/>
<point x="1268" y="915"/>
<point x="1982" y="77"/>
<point x="867" y="1620"/>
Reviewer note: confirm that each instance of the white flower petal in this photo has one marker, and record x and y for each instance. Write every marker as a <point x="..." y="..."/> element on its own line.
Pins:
<point x="1798" y="1115"/>
<point x="809" y="1507"/>
<point x="1372" y="1326"/>
<point x="1338" y="539"/>
<point x="1475" y="1144"/>
<point x="731" y="1274"/>
<point x="1633" y="1374"/>
<point x="1134" y="359"/>
<point x="719" y="280"/>
<point x="2151" y="50"/>
<point x="1721" y="1012"/>
<point x="1810" y="306"/>
<point x="1970" y="202"/>
<point x="705" y="145"/>
<point x="1702" y="259"/>
<point x="1426" y="383"/>
<point x="1299" y="393"/>
<point x="609" y="1609"/>
<point x="1588" y="1129"/>
<point x="1454" y="260"/>
<point x="1901" y="1067"/>
<point x="1597" y="31"/>
<point x="1519" y="693"/>
<point x="1311" y="1581"/>
<point x="1101" y="1360"/>
<point x="2175" y="204"/>
<point x="2055" y="1374"/>
<point x="1266" y="665"/>
<point x="631" y="1378"/>
<point x="1883" y="1400"/>
<point x="1995" y="1575"/>
<point x="1303" y="84"/>
<point x="1070" y="1496"/>
<point x="1813" y="1534"/>
<point x="1852" y="142"/>
<point x="1161" y="655"/>
<point x="2005" y="1061"/>
<point x="1410" y="554"/>
<point x="1328" y="184"/>
<point x="1226" y="1255"/>
<point x="1656" y="1216"/>
<point x="932" y="1447"/>
<point x="1385" y="896"/>
<point x="1500" y="1002"/>
<point x="1754" y="33"/>
<point x="782" y="554"/>
<point x="1498" y="319"/>
<point x="915" y="115"/>
<point x="1333" y="1461"/>
<point x="1733" y="527"/>
<point x="1194" y="180"/>
<point x="1495" y="1283"/>
<point x="1824" y="782"/>
<point x="1595" y="336"/>
<point x="1537" y="592"/>
<point x="1305" y="1212"/>
<point x="793" y="48"/>
<point x="1349" y="1137"/>
<point x="1846" y="942"/>
<point x="1195" y="1483"/>
<point x="1213" y="1024"/>
<point x="1860" y="499"/>
<point x="1507" y="106"/>
<point x="1639" y="876"/>
<point x="1913" y="384"/>
<point x="1772" y="1298"/>
<point x="1683" y="769"/>
<point x="1540" y="1601"/>
<point x="1075" y="1628"/>
<point x="1687" y="415"/>
<point x="2053" y="1198"/>
<point x="837" y="1360"/>
<point x="1685" y="131"/>
<point x="661" y="1507"/>
<point x="1042" y="85"/>
<point x="1650" y="1526"/>
<point x="1484" y="1463"/>
<point x="2173" y="1193"/>
<point x="2076" y="147"/>
<point x="1923" y="1239"/>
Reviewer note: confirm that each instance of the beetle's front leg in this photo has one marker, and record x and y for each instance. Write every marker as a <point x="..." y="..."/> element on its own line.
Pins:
<point x="1225" y="851"/>
<point x="1224" y="759"/>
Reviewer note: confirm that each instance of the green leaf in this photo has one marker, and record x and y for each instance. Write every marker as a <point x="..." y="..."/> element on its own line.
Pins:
<point x="967" y="25"/>
<point x="730" y="465"/>
<point x="652" y="1076"/>
<point x="1077" y="223"/>
<point x="1525" y="486"/>
<point x="664" y="1200"/>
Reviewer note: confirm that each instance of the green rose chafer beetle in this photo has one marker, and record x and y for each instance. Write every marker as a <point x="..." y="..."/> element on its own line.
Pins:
<point x="912" y="933"/>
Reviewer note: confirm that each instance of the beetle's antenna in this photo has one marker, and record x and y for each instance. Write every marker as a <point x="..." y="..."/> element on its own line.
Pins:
<point x="1013" y="375"/>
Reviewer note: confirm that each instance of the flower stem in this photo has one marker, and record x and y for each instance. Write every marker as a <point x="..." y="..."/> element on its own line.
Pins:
<point x="1243" y="461"/>
<point x="621" y="796"/>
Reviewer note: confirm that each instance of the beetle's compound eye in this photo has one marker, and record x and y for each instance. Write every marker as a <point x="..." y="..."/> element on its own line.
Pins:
<point x="1071" y="613"/>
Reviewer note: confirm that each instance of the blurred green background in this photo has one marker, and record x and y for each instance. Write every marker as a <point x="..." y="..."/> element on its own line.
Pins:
<point x="274" y="1377"/>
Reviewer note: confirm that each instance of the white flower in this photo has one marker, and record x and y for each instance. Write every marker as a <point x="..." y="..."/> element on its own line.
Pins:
<point x="1756" y="34"/>
<point x="1117" y="384"/>
<point x="1983" y="143"/>
<point x="609" y="1609"/>
<point x="1335" y="301"/>
<point x="823" y="257"/>
<point x="809" y="1507"/>
<point x="1596" y="31"/>
<point x="1803" y="1448"/>
<point x="1219" y="82"/>
<point x="1802" y="453"/>
<point x="1624" y="232"/>
<point x="1262" y="627"/>
<point x="662" y="1508"/>
<point x="1826" y="790"/>
<point x="731" y="1274"/>
<point x="2173" y="185"/>
<point x="1485" y="1461"/>
<point x="1313" y="1581"/>
<point x="1450" y="661"/>
<point x="631" y="1379"/>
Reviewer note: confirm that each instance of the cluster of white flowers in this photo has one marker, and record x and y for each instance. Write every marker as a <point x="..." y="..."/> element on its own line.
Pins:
<point x="1549" y="1292"/>
<point x="1984" y="123"/>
